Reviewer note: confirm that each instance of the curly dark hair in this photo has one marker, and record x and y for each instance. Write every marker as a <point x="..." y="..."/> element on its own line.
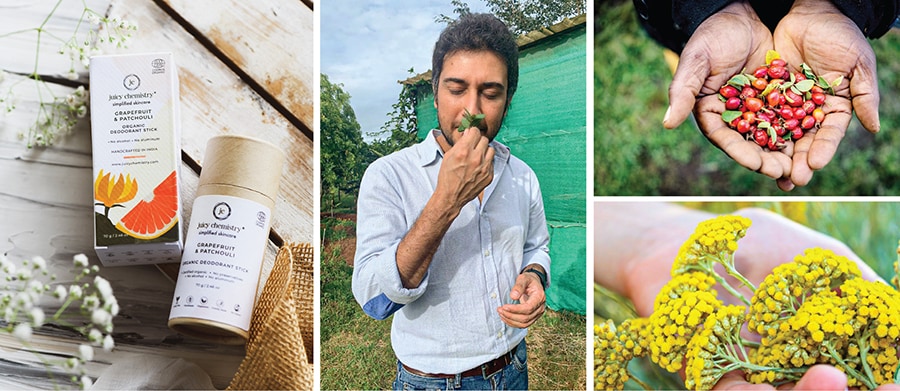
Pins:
<point x="477" y="32"/>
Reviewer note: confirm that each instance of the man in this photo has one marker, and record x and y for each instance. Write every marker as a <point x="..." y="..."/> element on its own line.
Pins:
<point x="451" y="234"/>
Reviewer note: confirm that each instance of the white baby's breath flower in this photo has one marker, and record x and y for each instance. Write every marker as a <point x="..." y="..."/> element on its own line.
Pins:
<point x="39" y="263"/>
<point x="23" y="274"/>
<point x="80" y="260"/>
<point x="95" y="336"/>
<point x="22" y="331"/>
<point x="37" y="317"/>
<point x="101" y="318"/>
<point x="86" y="382"/>
<point x="112" y="306"/>
<point x="60" y="293"/>
<point x="103" y="287"/>
<point x="93" y="18"/>
<point x="90" y="302"/>
<point x="108" y="343"/>
<point x="85" y="352"/>
<point x="9" y="314"/>
<point x="75" y="291"/>
<point x="23" y="301"/>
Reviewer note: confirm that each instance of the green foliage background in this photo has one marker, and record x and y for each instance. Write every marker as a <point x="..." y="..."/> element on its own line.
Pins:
<point x="635" y="155"/>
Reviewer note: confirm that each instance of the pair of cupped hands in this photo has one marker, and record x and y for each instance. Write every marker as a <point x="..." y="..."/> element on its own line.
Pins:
<point x="814" y="32"/>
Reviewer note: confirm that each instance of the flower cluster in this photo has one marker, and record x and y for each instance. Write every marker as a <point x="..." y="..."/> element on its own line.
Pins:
<point x="816" y="309"/>
<point x="58" y="114"/>
<point x="86" y="307"/>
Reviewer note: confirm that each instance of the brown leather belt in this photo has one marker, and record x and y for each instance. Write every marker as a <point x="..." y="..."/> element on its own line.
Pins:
<point x="485" y="369"/>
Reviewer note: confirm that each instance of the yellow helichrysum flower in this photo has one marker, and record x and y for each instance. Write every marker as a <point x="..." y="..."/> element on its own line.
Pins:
<point x="680" y="308"/>
<point x="111" y="191"/>
<point x="714" y="240"/>
<point x="610" y="357"/>
<point x="709" y="351"/>
<point x="781" y="293"/>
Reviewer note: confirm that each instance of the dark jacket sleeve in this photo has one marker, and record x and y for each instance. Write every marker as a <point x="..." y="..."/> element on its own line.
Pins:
<point x="671" y="22"/>
<point x="874" y="17"/>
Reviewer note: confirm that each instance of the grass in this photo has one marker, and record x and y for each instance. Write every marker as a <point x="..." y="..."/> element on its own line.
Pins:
<point x="870" y="229"/>
<point x="635" y="155"/>
<point x="356" y="350"/>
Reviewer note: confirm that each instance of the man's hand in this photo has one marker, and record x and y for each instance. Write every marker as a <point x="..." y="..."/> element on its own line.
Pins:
<point x="818" y="34"/>
<point x="530" y="294"/>
<point x="727" y="42"/>
<point x="467" y="168"/>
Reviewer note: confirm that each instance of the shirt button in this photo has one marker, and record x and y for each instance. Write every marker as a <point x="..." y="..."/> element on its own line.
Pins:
<point x="493" y="295"/>
<point x="499" y="334"/>
<point x="487" y="253"/>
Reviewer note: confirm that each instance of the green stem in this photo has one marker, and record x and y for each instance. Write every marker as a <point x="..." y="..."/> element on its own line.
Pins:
<point x="730" y="269"/>
<point x="638" y="381"/>
<point x="730" y="289"/>
<point x="62" y="309"/>
<point x="863" y="352"/>
<point x="850" y="371"/>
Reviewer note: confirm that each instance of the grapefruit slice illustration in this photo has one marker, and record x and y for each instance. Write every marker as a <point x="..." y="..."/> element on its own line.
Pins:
<point x="151" y="218"/>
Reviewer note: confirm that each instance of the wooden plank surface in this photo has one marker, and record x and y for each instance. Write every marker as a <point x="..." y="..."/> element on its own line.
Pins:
<point x="46" y="194"/>
<point x="215" y="101"/>
<point x="266" y="39"/>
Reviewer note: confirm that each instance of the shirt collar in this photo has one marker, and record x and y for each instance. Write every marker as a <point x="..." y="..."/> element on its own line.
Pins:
<point x="430" y="152"/>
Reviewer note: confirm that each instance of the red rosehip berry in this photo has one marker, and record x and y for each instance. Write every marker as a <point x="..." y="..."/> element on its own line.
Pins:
<point x="816" y="90"/>
<point x="778" y="62"/>
<point x="808" y="122"/>
<point x="799" y="113"/>
<point x="786" y="113"/>
<point x="776" y="72"/>
<point x="760" y="83"/>
<point x="818" y="114"/>
<point x="749" y="116"/>
<point x="808" y="106"/>
<point x="743" y="126"/>
<point x="779" y="130"/>
<point x="818" y="98"/>
<point x="793" y="98"/>
<point x="774" y="98"/>
<point x="799" y="76"/>
<point x="729" y="91"/>
<point x="748" y="92"/>
<point x="760" y="137"/>
<point x="733" y="103"/>
<point x="796" y="133"/>
<point x="753" y="104"/>
<point x="761" y="72"/>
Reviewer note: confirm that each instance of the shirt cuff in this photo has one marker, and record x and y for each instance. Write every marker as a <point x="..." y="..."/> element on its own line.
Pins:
<point x="538" y="257"/>
<point x="388" y="278"/>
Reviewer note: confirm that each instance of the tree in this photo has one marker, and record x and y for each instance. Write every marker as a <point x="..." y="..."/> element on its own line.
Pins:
<point x="523" y="16"/>
<point x="341" y="146"/>
<point x="402" y="125"/>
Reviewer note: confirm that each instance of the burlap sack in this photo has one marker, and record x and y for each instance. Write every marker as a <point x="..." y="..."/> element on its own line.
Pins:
<point x="280" y="351"/>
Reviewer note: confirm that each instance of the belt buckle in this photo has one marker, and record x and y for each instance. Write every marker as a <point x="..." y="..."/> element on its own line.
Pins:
<point x="492" y="367"/>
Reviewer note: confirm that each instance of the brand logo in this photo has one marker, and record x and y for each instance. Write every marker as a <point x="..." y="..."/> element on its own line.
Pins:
<point x="158" y="63"/>
<point x="221" y="211"/>
<point x="132" y="82"/>
<point x="261" y="219"/>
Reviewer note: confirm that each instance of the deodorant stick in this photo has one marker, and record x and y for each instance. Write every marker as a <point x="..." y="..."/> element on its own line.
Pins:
<point x="226" y="241"/>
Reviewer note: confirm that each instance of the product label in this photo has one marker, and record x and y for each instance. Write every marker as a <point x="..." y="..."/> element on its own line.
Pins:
<point x="135" y="134"/>
<point x="222" y="259"/>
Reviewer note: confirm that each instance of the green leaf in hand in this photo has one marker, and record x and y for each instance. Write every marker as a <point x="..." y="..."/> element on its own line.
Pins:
<point x="469" y="121"/>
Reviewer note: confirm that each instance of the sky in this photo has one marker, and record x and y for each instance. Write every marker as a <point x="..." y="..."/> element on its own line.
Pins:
<point x="369" y="46"/>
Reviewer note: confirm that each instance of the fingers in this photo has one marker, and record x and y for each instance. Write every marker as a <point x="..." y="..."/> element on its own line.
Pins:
<point x="822" y="377"/>
<point x="531" y="302"/>
<point x="735" y="381"/>
<point x="693" y="68"/>
<point x="864" y="92"/>
<point x="826" y="139"/>
<point x="774" y="164"/>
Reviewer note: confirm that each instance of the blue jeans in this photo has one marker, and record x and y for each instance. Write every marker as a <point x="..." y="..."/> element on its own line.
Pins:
<point x="513" y="377"/>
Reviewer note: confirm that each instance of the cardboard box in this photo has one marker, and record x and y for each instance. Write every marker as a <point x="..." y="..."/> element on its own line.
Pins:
<point x="136" y="137"/>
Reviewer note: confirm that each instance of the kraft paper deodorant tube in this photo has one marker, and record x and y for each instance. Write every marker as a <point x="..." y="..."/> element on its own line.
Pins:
<point x="226" y="241"/>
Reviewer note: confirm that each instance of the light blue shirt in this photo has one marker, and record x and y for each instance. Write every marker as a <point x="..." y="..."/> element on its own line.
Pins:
<point x="449" y="323"/>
